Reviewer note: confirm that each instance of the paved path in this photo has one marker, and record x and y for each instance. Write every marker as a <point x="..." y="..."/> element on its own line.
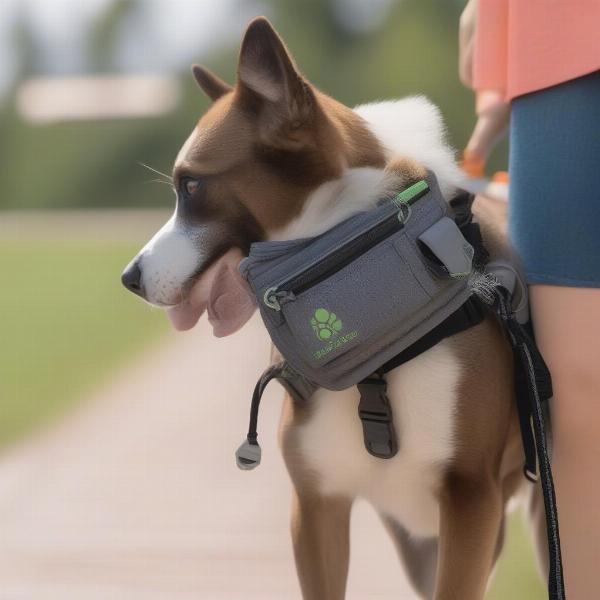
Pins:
<point x="136" y="495"/>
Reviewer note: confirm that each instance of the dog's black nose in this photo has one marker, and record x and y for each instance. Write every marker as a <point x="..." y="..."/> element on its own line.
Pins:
<point x="132" y="278"/>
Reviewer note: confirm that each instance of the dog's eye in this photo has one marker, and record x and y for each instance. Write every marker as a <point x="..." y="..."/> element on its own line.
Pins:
<point x="190" y="186"/>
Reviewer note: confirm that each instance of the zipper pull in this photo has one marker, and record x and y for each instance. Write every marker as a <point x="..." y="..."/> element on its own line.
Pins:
<point x="270" y="298"/>
<point x="273" y="298"/>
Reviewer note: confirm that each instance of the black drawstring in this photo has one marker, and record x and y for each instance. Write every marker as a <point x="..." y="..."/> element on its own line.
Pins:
<point x="248" y="455"/>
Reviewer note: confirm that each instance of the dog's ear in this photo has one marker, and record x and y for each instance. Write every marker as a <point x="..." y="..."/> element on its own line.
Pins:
<point x="214" y="87"/>
<point x="268" y="77"/>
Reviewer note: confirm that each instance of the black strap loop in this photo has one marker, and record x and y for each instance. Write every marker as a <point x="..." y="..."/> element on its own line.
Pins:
<point x="468" y="315"/>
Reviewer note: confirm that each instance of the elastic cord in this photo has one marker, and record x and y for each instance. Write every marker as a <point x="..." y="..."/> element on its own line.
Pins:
<point x="271" y="373"/>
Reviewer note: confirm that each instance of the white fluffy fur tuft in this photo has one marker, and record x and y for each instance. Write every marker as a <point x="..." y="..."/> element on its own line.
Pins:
<point x="413" y="127"/>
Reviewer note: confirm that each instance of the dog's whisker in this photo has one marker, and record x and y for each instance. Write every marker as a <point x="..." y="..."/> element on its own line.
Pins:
<point x="168" y="177"/>
<point x="169" y="183"/>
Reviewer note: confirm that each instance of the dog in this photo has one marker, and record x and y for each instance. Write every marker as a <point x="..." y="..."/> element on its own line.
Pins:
<point x="275" y="158"/>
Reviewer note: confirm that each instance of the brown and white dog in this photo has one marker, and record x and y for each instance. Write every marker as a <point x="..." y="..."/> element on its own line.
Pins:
<point x="275" y="158"/>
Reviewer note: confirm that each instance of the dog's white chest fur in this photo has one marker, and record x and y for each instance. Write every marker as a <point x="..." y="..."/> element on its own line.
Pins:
<point x="423" y="397"/>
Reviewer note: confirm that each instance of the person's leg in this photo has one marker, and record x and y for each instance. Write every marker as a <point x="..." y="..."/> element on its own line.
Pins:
<point x="567" y="329"/>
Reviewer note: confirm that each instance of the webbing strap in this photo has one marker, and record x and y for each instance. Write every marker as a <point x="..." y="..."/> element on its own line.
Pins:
<point x="471" y="313"/>
<point x="533" y="386"/>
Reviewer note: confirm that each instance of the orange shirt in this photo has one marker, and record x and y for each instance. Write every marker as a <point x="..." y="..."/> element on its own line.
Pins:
<point x="527" y="45"/>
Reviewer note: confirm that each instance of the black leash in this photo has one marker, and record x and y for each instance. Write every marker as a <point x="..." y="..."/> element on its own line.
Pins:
<point x="533" y="386"/>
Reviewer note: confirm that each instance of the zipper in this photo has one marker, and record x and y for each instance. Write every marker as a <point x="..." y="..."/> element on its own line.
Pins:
<point x="323" y="267"/>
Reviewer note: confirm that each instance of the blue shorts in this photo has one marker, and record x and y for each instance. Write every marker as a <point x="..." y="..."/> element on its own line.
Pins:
<point x="554" y="211"/>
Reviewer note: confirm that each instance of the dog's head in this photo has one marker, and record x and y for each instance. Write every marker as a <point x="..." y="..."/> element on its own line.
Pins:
<point x="245" y="172"/>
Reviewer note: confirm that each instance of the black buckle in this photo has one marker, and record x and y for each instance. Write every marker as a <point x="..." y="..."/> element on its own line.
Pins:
<point x="375" y="414"/>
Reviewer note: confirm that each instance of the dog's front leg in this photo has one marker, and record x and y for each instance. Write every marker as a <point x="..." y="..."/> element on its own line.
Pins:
<point x="320" y="523"/>
<point x="320" y="531"/>
<point x="470" y="521"/>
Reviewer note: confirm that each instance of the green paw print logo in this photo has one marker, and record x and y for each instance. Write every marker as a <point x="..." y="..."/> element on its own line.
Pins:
<point x="325" y="324"/>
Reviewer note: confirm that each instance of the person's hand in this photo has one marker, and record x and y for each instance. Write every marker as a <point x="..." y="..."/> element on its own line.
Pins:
<point x="493" y="112"/>
<point x="493" y="115"/>
<point x="466" y="40"/>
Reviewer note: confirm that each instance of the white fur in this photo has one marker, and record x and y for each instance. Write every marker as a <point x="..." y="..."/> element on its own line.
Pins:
<point x="413" y="127"/>
<point x="337" y="200"/>
<point x="423" y="391"/>
<point x="167" y="261"/>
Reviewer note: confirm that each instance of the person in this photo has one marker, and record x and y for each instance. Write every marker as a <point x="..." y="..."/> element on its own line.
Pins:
<point x="538" y="62"/>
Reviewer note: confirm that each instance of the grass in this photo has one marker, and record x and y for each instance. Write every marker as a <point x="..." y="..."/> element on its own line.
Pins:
<point x="516" y="576"/>
<point x="65" y="323"/>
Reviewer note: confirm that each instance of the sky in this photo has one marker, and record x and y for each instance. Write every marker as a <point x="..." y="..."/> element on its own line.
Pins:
<point x="181" y="29"/>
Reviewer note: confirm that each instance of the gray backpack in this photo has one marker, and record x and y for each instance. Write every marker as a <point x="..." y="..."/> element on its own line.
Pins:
<point x="339" y="305"/>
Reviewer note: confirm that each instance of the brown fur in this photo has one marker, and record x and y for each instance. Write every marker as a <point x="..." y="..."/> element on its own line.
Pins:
<point x="261" y="148"/>
<point x="471" y="499"/>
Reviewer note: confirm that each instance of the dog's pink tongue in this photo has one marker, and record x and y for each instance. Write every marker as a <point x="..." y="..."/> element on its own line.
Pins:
<point x="222" y="291"/>
<point x="184" y="316"/>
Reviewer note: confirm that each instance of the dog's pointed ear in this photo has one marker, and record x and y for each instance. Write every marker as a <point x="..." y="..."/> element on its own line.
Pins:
<point x="267" y="71"/>
<point x="214" y="87"/>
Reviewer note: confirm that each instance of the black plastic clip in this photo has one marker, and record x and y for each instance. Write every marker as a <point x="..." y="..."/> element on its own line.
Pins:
<point x="375" y="414"/>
